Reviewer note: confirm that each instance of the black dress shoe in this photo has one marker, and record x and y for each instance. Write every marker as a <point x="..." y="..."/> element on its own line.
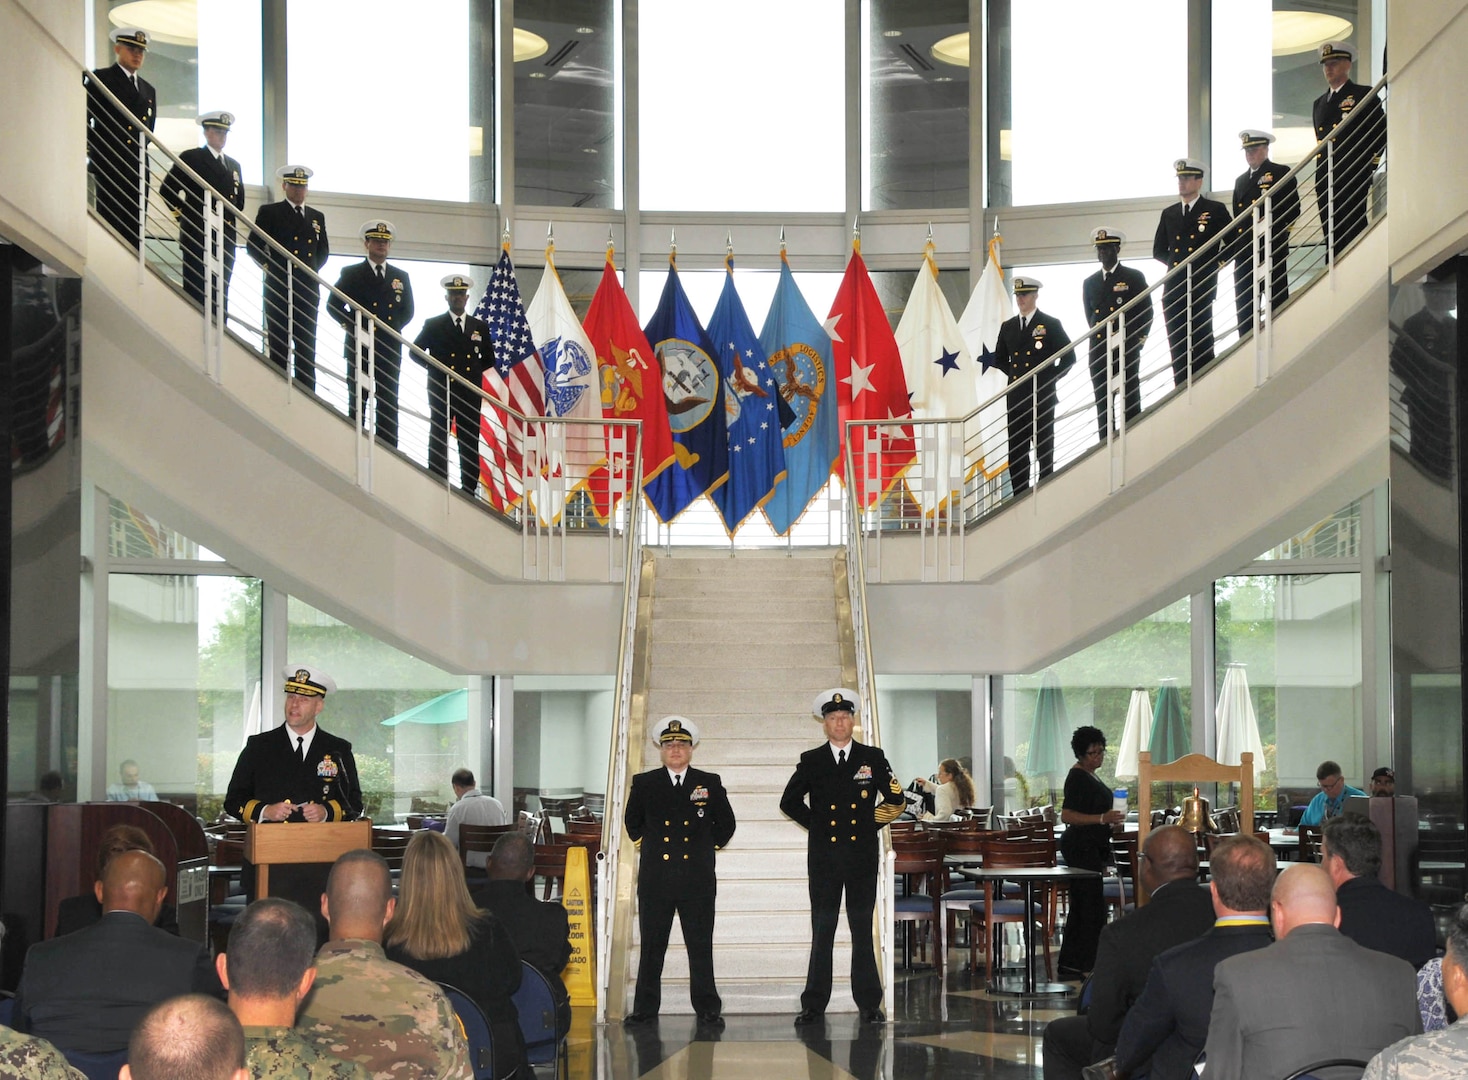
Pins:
<point x="635" y="1019"/>
<point x="873" y="1016"/>
<point x="808" y="1017"/>
<point x="710" y="1019"/>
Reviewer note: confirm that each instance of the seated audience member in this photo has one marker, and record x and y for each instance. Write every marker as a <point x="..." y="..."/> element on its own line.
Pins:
<point x="363" y="1006"/>
<point x="954" y="789"/>
<point x="1383" y="783"/>
<point x="51" y="789"/>
<point x="137" y="965"/>
<point x="471" y="807"/>
<point x="1330" y="800"/>
<point x="437" y="930"/>
<point x="1371" y="914"/>
<point x="78" y="912"/>
<point x="1180" y="910"/>
<point x="1437" y="1053"/>
<point x="539" y="929"/>
<point x="1312" y="996"/>
<point x="26" y="1057"/>
<point x="1169" y="1023"/>
<point x="1432" y="1001"/>
<point x="268" y="970"/>
<point x="194" y="1037"/>
<point x="131" y="789"/>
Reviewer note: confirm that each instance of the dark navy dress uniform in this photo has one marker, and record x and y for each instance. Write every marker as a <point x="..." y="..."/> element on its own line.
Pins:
<point x="842" y="807"/>
<point x="1353" y="159"/>
<point x="465" y="350"/>
<point x="389" y="297"/>
<point x="185" y="198"/>
<point x="112" y="145"/>
<point x="268" y="770"/>
<point x="1105" y="293"/>
<point x="1251" y="186"/>
<point x="1021" y="349"/>
<point x="1179" y="234"/>
<point x="291" y="306"/>
<point x="680" y="829"/>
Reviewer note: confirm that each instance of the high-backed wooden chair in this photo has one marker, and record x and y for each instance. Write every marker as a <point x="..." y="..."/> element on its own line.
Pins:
<point x="550" y="867"/>
<point x="921" y="866"/>
<point x="390" y="844"/>
<point x="1191" y="769"/>
<point x="478" y="838"/>
<point x="993" y="911"/>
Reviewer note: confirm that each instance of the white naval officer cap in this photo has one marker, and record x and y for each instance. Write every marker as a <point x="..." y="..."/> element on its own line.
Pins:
<point x="1186" y="166"/>
<point x="294" y="174"/>
<point x="457" y="282"/>
<point x="376" y="229"/>
<point x="1252" y="137"/>
<point x="1105" y="234"/>
<point x="129" y="35"/>
<point x="1337" y="50"/>
<point x="222" y="119"/>
<point x="1027" y="285"/>
<point x="308" y="681"/>
<point x="674" y="729"/>
<point x="834" y="699"/>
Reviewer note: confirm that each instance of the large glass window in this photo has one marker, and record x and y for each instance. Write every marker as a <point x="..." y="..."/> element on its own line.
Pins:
<point x="567" y="129"/>
<point x="1084" y="105"/>
<point x="746" y="118"/>
<point x="925" y="719"/>
<point x="563" y="732"/>
<point x="915" y="144"/>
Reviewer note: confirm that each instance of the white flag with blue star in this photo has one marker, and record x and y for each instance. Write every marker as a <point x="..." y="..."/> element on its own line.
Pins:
<point x="941" y="387"/>
<point x="987" y="309"/>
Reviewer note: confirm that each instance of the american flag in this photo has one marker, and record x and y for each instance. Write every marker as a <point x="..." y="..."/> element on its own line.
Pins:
<point x="516" y="379"/>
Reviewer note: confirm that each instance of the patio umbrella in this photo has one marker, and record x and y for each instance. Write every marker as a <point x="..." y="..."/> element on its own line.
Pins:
<point x="1138" y="715"/>
<point x="1169" y="737"/>
<point x="1238" y="727"/>
<point x="450" y="708"/>
<point x="1049" y="731"/>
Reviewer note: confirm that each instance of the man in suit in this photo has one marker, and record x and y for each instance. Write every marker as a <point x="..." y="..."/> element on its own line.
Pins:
<point x="292" y="296"/>
<point x="1167" y="1026"/>
<point x="1343" y="180"/>
<point x="1262" y="177"/>
<point x="1443" y="1052"/>
<point x="460" y="343"/>
<point x="193" y="1037"/>
<point x="185" y="198"/>
<point x="1193" y="223"/>
<point x="85" y="992"/>
<point x="854" y="785"/>
<point x="296" y="772"/>
<point x="1106" y="292"/>
<point x="676" y="869"/>
<point x="539" y="929"/>
<point x="1179" y="910"/>
<point x="113" y="139"/>
<point x="1029" y="342"/>
<point x="1312" y="996"/>
<point x="377" y="288"/>
<point x="1371" y="914"/>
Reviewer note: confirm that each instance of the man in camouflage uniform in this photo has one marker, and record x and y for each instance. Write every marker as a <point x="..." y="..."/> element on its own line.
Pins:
<point x="364" y="1007"/>
<point x="268" y="970"/>
<point x="1443" y="1052"/>
<point x="23" y="1057"/>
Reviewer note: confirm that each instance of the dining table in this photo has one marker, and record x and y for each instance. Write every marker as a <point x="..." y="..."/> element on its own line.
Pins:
<point x="1027" y="877"/>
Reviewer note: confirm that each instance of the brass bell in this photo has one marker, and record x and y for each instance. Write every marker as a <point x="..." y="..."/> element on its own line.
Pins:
<point x="1195" y="817"/>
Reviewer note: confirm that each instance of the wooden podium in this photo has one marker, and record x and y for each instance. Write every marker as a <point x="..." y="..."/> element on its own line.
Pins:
<point x="292" y="843"/>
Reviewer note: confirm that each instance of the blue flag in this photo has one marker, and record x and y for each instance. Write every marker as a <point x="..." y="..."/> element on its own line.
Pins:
<point x="751" y="410"/>
<point x="798" y="352"/>
<point x="694" y="393"/>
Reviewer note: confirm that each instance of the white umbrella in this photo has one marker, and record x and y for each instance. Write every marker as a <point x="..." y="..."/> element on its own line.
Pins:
<point x="1138" y="716"/>
<point x="1238" y="727"/>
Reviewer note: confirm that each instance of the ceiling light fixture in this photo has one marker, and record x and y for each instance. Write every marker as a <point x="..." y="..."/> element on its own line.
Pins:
<point x="952" y="50"/>
<point x="1305" y="31"/>
<point x="529" y="45"/>
<point x="168" y="22"/>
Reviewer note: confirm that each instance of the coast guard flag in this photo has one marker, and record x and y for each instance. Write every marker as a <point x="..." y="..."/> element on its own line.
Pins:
<point x="571" y="392"/>
<point x="751" y="410"/>
<point x="514" y="380"/>
<point x="870" y="384"/>
<point x="940" y="374"/>
<point x="987" y="309"/>
<point x="695" y="404"/>
<point x="798" y="351"/>
<point x="631" y="389"/>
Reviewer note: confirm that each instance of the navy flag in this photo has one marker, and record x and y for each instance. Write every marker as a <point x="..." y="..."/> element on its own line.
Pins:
<point x="751" y="410"/>
<point x="694" y="393"/>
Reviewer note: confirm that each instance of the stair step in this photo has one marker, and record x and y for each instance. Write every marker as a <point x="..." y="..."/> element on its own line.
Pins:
<point x="806" y="655"/>
<point x="759" y="700"/>
<point x="746" y="564"/>
<point x="717" y="630"/>
<point x="811" y="680"/>
<point x="756" y="610"/>
<point x="753" y="997"/>
<point x="748" y="961"/>
<point x="749" y="582"/>
<point x="753" y="748"/>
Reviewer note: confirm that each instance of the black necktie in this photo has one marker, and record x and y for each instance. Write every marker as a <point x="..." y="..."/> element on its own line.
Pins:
<point x="840" y="759"/>
<point x="459" y="323"/>
<point x="301" y="749"/>
<point x="301" y="212"/>
<point x="677" y="782"/>
<point x="1187" y="209"/>
<point x="379" y="273"/>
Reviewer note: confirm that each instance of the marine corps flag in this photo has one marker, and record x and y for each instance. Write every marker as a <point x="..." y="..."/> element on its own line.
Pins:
<point x="798" y="351"/>
<point x="695" y="404"/>
<point x="631" y="389"/>
<point x="751" y="410"/>
<point x="870" y="384"/>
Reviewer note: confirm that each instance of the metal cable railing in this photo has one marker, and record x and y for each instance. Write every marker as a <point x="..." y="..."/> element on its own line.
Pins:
<point x="1229" y="288"/>
<point x="544" y="476"/>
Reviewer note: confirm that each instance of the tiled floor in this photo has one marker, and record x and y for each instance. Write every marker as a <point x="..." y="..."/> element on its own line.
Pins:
<point x="961" y="1033"/>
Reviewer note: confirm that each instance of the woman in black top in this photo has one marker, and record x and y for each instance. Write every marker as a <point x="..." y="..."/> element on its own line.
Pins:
<point x="1086" y="843"/>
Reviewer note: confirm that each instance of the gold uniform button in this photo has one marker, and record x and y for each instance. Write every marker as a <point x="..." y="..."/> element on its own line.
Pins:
<point x="667" y="823"/>
<point x="833" y="821"/>
<point x="853" y="836"/>
<point x="666" y="856"/>
<point x="863" y="795"/>
<point x="833" y="806"/>
<point x="833" y="839"/>
<point x="853" y="805"/>
<point x="666" y="839"/>
<point x="685" y="823"/>
<point x="685" y="857"/>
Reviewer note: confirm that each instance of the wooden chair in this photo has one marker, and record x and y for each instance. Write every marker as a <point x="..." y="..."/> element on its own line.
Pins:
<point x="584" y="827"/>
<point x="1192" y="769"/>
<point x="550" y="867"/>
<point x="390" y="844"/>
<point x="921" y="864"/>
<point x="478" y="838"/>
<point x="993" y="911"/>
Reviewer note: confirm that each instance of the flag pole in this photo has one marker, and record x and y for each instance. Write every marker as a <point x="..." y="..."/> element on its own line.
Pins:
<point x="673" y="246"/>
<point x="782" y="244"/>
<point x="729" y="251"/>
<point x="856" y="234"/>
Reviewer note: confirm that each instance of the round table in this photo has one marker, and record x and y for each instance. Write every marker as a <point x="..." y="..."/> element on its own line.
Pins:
<point x="1026" y="876"/>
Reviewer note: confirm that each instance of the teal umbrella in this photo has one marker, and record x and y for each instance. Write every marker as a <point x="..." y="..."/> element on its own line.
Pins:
<point x="1169" y="735"/>
<point x="1049" y="731"/>
<point x="450" y="708"/>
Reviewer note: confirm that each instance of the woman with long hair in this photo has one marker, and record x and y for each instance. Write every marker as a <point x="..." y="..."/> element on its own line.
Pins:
<point x="953" y="790"/>
<point x="437" y="930"/>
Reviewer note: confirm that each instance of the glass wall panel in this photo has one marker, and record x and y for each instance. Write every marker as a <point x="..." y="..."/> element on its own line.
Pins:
<point x="563" y="736"/>
<point x="1094" y="687"/>
<point x="924" y="720"/>
<point x="1064" y="76"/>
<point x="746" y="118"/>
<point x="380" y="101"/>
<point x="915" y="142"/>
<point x="1334" y="537"/>
<point x="135" y="534"/>
<point x="1299" y="639"/>
<point x="567" y="129"/>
